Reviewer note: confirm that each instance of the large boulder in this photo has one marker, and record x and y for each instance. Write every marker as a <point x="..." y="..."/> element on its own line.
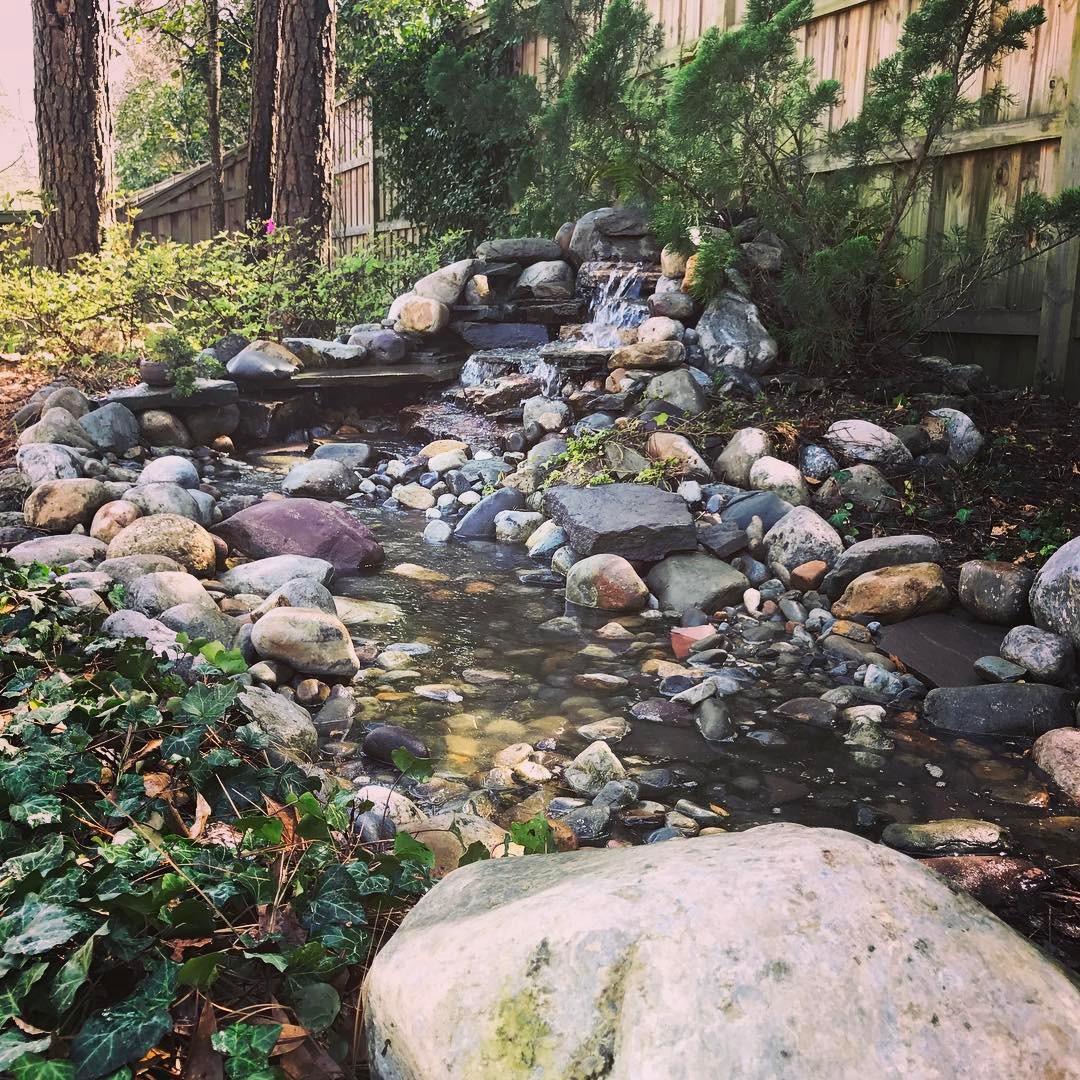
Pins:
<point x="801" y="536"/>
<point x="524" y="250"/>
<point x="319" y="478"/>
<point x="60" y="427"/>
<point x="1045" y="656"/>
<point x="264" y="361"/>
<point x="113" y="427"/>
<point x="689" y="960"/>
<point x="1057" y="753"/>
<point x="861" y="441"/>
<point x="57" y="506"/>
<point x="1007" y="709"/>
<point x="170" y="469"/>
<point x="551" y="279"/>
<point x="41" y="462"/>
<point x="288" y="726"/>
<point x="57" y="551"/>
<point x="152" y="594"/>
<point x="732" y="335"/>
<point x="446" y="283"/>
<point x="996" y="592"/>
<point x="265" y="576"/>
<point x="632" y="520"/>
<point x="695" y="580"/>
<point x="894" y="593"/>
<point x="351" y="455"/>
<point x="606" y="582"/>
<point x="1055" y="595"/>
<point x="310" y="641"/>
<point x="302" y="527"/>
<point x="878" y="552"/>
<point x="175" y="537"/>
<point x="621" y="233"/>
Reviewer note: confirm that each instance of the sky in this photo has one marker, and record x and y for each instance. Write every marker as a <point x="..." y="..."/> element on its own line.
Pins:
<point x="16" y="97"/>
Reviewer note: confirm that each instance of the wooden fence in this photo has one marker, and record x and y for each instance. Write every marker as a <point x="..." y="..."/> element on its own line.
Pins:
<point x="1024" y="326"/>
<point x="179" y="208"/>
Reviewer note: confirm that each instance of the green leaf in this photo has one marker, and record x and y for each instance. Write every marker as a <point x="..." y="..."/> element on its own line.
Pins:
<point x="126" y="1032"/>
<point x="317" y="1006"/>
<point x="477" y="851"/>
<point x="410" y="765"/>
<point x="963" y="515"/>
<point x="534" y="835"/>
<point x="13" y="1046"/>
<point x="337" y="901"/>
<point x="41" y="860"/>
<point x="32" y="1067"/>
<point x="275" y="960"/>
<point x="183" y="747"/>
<point x="71" y="976"/>
<point x="227" y="661"/>
<point x="408" y="847"/>
<point x="11" y="997"/>
<point x="260" y="827"/>
<point x="253" y="736"/>
<point x="37" y="810"/>
<point x="247" y="1046"/>
<point x="38" y="927"/>
<point x="207" y="704"/>
<point x="201" y="971"/>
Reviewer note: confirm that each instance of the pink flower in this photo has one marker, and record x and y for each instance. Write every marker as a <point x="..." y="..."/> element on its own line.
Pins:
<point x="270" y="227"/>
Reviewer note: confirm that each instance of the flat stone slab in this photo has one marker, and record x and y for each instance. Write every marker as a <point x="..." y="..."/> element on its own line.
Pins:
<point x="367" y="378"/>
<point x="208" y="392"/>
<point x="942" y="649"/>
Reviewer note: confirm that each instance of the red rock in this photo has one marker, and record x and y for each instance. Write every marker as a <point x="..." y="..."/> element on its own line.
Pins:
<point x="684" y="637"/>
<point x="809" y="575"/>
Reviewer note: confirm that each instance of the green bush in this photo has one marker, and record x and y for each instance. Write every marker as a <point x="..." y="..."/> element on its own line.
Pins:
<point x="95" y="321"/>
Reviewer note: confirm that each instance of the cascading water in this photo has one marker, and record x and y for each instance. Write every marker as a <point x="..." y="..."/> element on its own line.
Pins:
<point x="616" y="306"/>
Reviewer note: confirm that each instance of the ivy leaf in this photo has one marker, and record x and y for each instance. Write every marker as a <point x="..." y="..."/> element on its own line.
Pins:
<point x="200" y="971"/>
<point x="182" y="747"/>
<point x="31" y="1067"/>
<point x="477" y="851"/>
<point x="41" y="860"/>
<point x="275" y="960"/>
<point x="71" y="976"/>
<point x="227" y="661"/>
<point x="408" y="847"/>
<point x="37" y="810"/>
<point x="126" y="1032"/>
<point x="317" y="1006"/>
<point x="13" y="1046"/>
<point x="11" y="997"/>
<point x="38" y="927"/>
<point x="337" y="902"/>
<point x="247" y="1046"/>
<point x="412" y="766"/>
<point x="207" y="704"/>
<point x="253" y="736"/>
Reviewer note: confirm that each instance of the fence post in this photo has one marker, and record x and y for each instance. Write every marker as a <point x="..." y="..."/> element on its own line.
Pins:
<point x="1057" y="318"/>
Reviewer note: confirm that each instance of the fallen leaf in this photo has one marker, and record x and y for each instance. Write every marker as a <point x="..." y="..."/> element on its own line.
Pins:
<point x="156" y="784"/>
<point x="204" y="1062"/>
<point x="180" y="944"/>
<point x="202" y="817"/>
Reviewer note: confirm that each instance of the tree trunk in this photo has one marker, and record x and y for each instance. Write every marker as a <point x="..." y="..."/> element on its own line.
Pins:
<point x="213" y="101"/>
<point x="264" y="92"/>
<point x="74" y="129"/>
<point x="305" y="122"/>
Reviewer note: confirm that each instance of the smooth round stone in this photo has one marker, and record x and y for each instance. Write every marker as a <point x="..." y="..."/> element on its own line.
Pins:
<point x="380" y="743"/>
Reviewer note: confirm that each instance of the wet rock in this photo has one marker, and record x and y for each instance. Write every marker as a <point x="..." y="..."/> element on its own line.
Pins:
<point x="895" y="593"/>
<point x="809" y="710"/>
<point x="877" y="553"/>
<point x="413" y="496"/>
<point x="854" y="441"/>
<point x="1057" y="753"/>
<point x="714" y="721"/>
<point x="438" y="532"/>
<point x="947" y="835"/>
<point x="381" y="742"/>
<point x="661" y="711"/>
<point x="450" y="835"/>
<point x="57" y="506"/>
<point x="484" y="335"/>
<point x="594" y="767"/>
<point x="171" y="469"/>
<point x="731" y="334"/>
<point x="606" y="582"/>
<point x="320" y="478"/>
<point x="264" y="361"/>
<point x="264" y="576"/>
<point x="672" y="915"/>
<point x="610" y="729"/>
<point x="1022" y="709"/>
<point x="772" y="474"/>
<point x="695" y="580"/>
<point x="590" y="824"/>
<point x="303" y="527"/>
<point x="516" y="526"/>
<point x="479" y="522"/>
<point x="632" y="520"/>
<point x="351" y="455"/>
<point x="995" y="592"/>
<point x="1047" y="657"/>
<point x="1055" y="595"/>
<point x="309" y="641"/>
<point x="994" y="669"/>
<point x="287" y="725"/>
<point x="802" y="536"/>
<point x="994" y="880"/>
<point x="170" y="535"/>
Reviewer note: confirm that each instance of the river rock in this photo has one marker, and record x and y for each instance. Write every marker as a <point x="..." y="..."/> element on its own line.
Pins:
<point x="594" y="767"/>
<point x="1047" y="657"/>
<point x="1057" y="753"/>
<point x="731" y="333"/>
<point x="320" y="478"/>
<point x="1006" y="709"/>
<point x="672" y="304"/>
<point x="678" y="388"/>
<point x="287" y="725"/>
<point x="302" y="527"/>
<point x="695" y="580"/>
<point x="855" y="441"/>
<point x="879" y="552"/>
<point x="42" y="462"/>
<point x="1055" y="595"/>
<point x="57" y="506"/>
<point x="264" y="361"/>
<point x="895" y="593"/>
<point x="301" y="592"/>
<point x="200" y="620"/>
<point x="450" y="835"/>
<point x="112" y="517"/>
<point x="168" y="534"/>
<point x="996" y="592"/>
<point x="965" y="439"/>
<point x="351" y="455"/>
<point x="744" y="448"/>
<point x="67" y="397"/>
<point x="58" y="426"/>
<point x="162" y="428"/>
<point x="390" y="804"/>
<point x="57" y="551"/>
<point x="666" y="446"/>
<point x="164" y="498"/>
<point x="950" y="835"/>
<point x="659" y="328"/>
<point x="171" y="469"/>
<point x="772" y="474"/>
<point x="422" y="315"/>
<point x="383" y="739"/>
<point x="741" y="509"/>
<point x="633" y="520"/>
<point x="516" y="526"/>
<point x="156" y="636"/>
<point x="479" y="522"/>
<point x="551" y="279"/>
<point x="152" y="594"/>
<point x="264" y="576"/>
<point x="550" y="413"/>
<point x="542" y="965"/>
<point x="652" y="356"/>
<point x="113" y="427"/>
<point x="802" y="536"/>
<point x="607" y="583"/>
<point x="310" y="642"/>
<point x="864" y="486"/>
<point x="524" y="250"/>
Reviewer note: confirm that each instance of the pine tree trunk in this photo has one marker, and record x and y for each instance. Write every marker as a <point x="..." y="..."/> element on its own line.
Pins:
<point x="213" y="101"/>
<point x="305" y="121"/>
<point x="74" y="129"/>
<point x="264" y="93"/>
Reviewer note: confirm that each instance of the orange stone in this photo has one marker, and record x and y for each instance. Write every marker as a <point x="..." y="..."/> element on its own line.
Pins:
<point x="684" y="637"/>
<point x="809" y="575"/>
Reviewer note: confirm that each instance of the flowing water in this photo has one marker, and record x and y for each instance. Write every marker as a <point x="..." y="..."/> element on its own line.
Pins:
<point x="616" y="306"/>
